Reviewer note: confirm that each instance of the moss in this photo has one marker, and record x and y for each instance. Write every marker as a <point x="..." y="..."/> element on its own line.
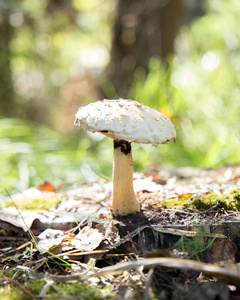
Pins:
<point x="32" y="288"/>
<point x="35" y="204"/>
<point x="230" y="201"/>
<point x="84" y="290"/>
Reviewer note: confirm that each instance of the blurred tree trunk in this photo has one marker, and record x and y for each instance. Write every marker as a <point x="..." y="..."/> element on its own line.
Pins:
<point x="143" y="28"/>
<point x="7" y="94"/>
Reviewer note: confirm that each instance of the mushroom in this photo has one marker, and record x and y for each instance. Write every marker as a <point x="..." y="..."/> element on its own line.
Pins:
<point x="125" y="121"/>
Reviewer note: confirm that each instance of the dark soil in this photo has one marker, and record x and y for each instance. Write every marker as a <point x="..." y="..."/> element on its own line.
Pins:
<point x="172" y="218"/>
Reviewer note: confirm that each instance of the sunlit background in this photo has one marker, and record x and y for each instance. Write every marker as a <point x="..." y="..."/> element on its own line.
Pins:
<point x="58" y="55"/>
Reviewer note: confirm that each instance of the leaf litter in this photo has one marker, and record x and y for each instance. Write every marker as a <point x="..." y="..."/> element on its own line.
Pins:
<point x="159" y="253"/>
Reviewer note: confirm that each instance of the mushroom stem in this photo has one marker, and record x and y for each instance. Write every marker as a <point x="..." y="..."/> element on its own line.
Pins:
<point x="124" y="201"/>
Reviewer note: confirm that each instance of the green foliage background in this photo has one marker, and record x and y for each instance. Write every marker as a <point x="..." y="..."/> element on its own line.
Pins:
<point x="199" y="90"/>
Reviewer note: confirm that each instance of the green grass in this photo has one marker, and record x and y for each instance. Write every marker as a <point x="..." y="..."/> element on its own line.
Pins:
<point x="32" y="153"/>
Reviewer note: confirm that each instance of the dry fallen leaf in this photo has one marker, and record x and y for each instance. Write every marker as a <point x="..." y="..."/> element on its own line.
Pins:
<point x="55" y="241"/>
<point x="157" y="178"/>
<point x="109" y="231"/>
<point x="46" y="187"/>
<point x="87" y="239"/>
<point x="184" y="195"/>
<point x="160" y="253"/>
<point x="235" y="179"/>
<point x="224" y="250"/>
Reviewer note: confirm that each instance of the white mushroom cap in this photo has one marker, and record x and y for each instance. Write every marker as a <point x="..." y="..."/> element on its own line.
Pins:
<point x="126" y="120"/>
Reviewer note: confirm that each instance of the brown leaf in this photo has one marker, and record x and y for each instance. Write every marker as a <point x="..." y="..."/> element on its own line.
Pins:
<point x="87" y="239"/>
<point x="46" y="187"/>
<point x="55" y="241"/>
<point x="224" y="250"/>
<point x="157" y="178"/>
<point x="155" y="204"/>
<point x="109" y="231"/>
<point x="160" y="253"/>
<point x="184" y="195"/>
<point x="235" y="179"/>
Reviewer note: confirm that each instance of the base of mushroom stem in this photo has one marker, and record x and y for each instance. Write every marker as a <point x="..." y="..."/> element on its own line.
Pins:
<point x="119" y="216"/>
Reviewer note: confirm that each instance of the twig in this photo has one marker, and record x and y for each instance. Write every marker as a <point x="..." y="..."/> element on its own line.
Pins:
<point x="74" y="252"/>
<point x="28" y="229"/>
<point x="18" y="248"/>
<point x="148" y="284"/>
<point x="208" y="210"/>
<point x="171" y="262"/>
<point x="21" y="287"/>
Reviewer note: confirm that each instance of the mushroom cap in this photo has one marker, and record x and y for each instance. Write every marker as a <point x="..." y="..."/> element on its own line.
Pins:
<point x="126" y="120"/>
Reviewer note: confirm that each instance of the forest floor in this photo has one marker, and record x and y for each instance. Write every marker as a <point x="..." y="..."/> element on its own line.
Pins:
<point x="184" y="244"/>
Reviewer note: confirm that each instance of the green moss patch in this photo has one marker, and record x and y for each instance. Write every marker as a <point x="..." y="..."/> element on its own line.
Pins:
<point x="230" y="201"/>
<point x="35" y="204"/>
<point x="32" y="288"/>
